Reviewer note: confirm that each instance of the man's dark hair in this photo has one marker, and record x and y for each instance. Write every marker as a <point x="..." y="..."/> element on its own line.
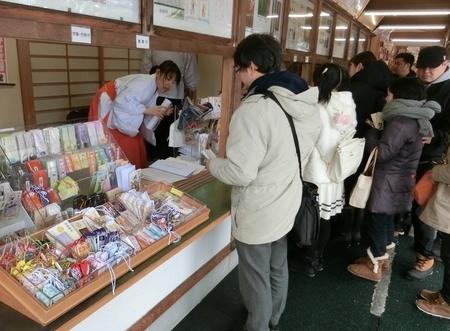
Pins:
<point x="364" y="58"/>
<point x="408" y="88"/>
<point x="407" y="58"/>
<point x="261" y="49"/>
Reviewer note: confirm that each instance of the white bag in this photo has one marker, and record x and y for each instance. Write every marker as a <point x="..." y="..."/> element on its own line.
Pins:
<point x="347" y="158"/>
<point x="361" y="191"/>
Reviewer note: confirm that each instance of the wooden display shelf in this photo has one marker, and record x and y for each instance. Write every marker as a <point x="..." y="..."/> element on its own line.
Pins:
<point x="17" y="297"/>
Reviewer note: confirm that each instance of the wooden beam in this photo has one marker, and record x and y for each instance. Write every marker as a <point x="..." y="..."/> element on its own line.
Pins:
<point x="407" y="5"/>
<point x="189" y="46"/>
<point x="415" y="20"/>
<point x="57" y="32"/>
<point x="26" y="85"/>
<point x="230" y="89"/>
<point x="418" y="35"/>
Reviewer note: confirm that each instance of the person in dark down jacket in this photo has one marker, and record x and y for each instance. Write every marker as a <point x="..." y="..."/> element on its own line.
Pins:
<point x="433" y="70"/>
<point x="399" y="148"/>
<point x="403" y="63"/>
<point x="369" y="82"/>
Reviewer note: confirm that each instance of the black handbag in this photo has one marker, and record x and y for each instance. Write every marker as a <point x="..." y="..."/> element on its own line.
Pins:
<point x="305" y="231"/>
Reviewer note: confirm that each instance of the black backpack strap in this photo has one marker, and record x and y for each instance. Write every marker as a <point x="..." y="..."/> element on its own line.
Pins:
<point x="269" y="94"/>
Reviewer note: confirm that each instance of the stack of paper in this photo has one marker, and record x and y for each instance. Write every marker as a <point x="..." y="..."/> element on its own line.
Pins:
<point x="171" y="170"/>
<point x="124" y="175"/>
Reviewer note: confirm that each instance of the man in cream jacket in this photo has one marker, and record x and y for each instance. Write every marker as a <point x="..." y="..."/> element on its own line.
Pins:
<point x="262" y="167"/>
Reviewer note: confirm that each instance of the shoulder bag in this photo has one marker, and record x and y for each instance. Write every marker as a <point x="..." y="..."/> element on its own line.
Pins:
<point x="307" y="221"/>
<point x="347" y="158"/>
<point x="361" y="191"/>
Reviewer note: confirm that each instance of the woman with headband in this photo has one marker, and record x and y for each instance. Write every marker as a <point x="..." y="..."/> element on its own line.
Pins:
<point x="338" y="118"/>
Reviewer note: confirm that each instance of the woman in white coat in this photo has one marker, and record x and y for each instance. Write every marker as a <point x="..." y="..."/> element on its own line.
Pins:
<point x="338" y="119"/>
<point x="128" y="102"/>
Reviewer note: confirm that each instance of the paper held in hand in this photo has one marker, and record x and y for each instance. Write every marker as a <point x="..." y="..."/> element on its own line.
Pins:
<point x="377" y="120"/>
<point x="209" y="154"/>
<point x="151" y="122"/>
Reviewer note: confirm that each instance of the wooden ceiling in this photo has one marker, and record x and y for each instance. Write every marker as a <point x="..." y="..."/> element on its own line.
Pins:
<point x="443" y="35"/>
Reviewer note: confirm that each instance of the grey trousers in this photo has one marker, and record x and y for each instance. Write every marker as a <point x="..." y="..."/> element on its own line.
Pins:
<point x="263" y="282"/>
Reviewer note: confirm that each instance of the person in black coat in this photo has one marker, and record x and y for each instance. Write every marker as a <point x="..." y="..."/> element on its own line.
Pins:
<point x="369" y="81"/>
<point x="407" y="118"/>
<point x="403" y="63"/>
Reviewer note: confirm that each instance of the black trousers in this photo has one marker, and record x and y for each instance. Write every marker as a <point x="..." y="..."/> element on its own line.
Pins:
<point x="162" y="149"/>
<point x="381" y="233"/>
<point x="423" y="234"/>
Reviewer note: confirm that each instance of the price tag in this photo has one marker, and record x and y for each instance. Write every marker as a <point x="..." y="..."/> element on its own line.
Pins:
<point x="176" y="192"/>
<point x="142" y="41"/>
<point x="81" y="34"/>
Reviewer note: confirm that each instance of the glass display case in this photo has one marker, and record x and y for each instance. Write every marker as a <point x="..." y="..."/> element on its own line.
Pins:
<point x="362" y="42"/>
<point x="352" y="43"/>
<point x="206" y="17"/>
<point x="57" y="169"/>
<point x="324" y="36"/>
<point x="340" y="38"/>
<point x="300" y="23"/>
<point x="123" y="10"/>
<point x="264" y="17"/>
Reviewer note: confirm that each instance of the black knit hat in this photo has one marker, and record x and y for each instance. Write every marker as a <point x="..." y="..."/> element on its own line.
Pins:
<point x="431" y="57"/>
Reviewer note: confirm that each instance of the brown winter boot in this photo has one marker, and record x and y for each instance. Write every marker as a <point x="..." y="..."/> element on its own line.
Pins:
<point x="386" y="264"/>
<point x="421" y="269"/>
<point x="371" y="269"/>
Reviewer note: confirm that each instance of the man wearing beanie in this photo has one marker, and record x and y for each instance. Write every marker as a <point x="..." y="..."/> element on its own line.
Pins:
<point x="432" y="69"/>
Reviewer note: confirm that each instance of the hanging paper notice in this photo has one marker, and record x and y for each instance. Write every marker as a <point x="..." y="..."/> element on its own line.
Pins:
<point x="3" y="74"/>
<point x="81" y="34"/>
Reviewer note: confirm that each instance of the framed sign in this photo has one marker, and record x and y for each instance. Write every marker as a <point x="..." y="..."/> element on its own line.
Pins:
<point x="354" y="7"/>
<point x="340" y="38"/>
<point x="211" y="17"/>
<point x="324" y="36"/>
<point x="264" y="16"/>
<point x="300" y="22"/>
<point x="123" y="10"/>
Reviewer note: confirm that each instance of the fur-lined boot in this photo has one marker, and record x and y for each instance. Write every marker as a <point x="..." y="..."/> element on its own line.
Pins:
<point x="386" y="263"/>
<point x="371" y="269"/>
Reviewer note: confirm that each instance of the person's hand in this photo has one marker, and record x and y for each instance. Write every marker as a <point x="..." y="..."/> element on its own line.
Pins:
<point x="169" y="110"/>
<point x="426" y="140"/>
<point x="157" y="111"/>
<point x="370" y="123"/>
